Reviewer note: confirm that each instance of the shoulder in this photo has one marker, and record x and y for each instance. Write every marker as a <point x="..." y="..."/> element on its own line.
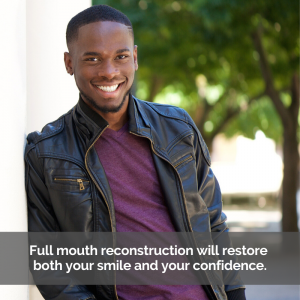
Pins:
<point x="49" y="131"/>
<point x="175" y="119"/>
<point x="164" y="110"/>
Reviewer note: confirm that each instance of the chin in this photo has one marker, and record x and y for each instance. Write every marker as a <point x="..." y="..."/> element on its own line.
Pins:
<point x="108" y="107"/>
<point x="113" y="108"/>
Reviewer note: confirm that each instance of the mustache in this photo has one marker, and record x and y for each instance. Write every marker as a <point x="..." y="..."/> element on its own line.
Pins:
<point x="112" y="81"/>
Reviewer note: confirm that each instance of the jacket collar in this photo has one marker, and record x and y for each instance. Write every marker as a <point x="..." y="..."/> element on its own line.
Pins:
<point x="91" y="123"/>
<point x="91" y="114"/>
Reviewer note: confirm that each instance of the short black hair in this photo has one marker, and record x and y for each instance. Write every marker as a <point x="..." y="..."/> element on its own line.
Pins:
<point x="94" y="14"/>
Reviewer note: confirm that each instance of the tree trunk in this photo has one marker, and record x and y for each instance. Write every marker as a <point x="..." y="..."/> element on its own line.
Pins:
<point x="290" y="182"/>
<point x="289" y="120"/>
<point x="155" y="86"/>
<point x="208" y="141"/>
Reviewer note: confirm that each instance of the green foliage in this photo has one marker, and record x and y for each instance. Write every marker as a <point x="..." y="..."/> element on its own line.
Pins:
<point x="259" y="117"/>
<point x="178" y="40"/>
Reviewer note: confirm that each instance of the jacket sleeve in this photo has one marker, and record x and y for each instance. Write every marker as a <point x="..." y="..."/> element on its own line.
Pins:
<point x="41" y="218"/>
<point x="210" y="192"/>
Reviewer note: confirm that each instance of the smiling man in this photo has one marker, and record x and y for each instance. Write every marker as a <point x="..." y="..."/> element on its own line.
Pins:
<point x="103" y="59"/>
<point x="114" y="163"/>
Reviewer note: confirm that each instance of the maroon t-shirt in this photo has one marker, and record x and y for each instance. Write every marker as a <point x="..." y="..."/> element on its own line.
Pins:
<point x="139" y="203"/>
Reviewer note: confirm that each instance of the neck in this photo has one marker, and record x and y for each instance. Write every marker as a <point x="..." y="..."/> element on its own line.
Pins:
<point x="116" y="120"/>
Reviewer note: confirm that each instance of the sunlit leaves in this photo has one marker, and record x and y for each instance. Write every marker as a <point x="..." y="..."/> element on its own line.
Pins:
<point x="180" y="40"/>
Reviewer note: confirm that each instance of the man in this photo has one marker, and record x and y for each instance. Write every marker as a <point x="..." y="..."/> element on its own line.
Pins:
<point x="115" y="163"/>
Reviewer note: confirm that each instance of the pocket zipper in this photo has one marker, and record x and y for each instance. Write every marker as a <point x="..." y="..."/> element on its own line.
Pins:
<point x="80" y="182"/>
<point x="190" y="157"/>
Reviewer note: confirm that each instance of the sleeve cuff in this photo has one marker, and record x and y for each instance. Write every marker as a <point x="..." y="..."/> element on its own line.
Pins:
<point x="238" y="294"/>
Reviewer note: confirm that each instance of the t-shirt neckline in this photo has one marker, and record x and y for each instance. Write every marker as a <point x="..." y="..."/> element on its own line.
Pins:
<point x="119" y="132"/>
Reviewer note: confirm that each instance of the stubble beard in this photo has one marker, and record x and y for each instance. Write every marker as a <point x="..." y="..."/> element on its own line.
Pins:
<point x="104" y="109"/>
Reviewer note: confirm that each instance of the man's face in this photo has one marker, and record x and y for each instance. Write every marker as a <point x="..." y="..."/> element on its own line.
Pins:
<point x="103" y="60"/>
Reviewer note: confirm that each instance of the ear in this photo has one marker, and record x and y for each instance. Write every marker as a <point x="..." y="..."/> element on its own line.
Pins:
<point x="135" y="57"/>
<point x="68" y="63"/>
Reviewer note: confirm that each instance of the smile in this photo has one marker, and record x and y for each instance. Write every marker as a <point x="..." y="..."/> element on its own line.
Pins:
<point x="111" y="88"/>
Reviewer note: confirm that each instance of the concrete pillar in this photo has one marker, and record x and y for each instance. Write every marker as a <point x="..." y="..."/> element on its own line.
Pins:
<point x="12" y="123"/>
<point x="51" y="92"/>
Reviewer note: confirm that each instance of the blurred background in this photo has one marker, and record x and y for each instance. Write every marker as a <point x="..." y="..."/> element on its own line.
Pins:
<point x="233" y="65"/>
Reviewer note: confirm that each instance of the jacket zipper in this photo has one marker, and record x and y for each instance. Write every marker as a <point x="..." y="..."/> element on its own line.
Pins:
<point x="98" y="187"/>
<point x="188" y="225"/>
<point x="80" y="182"/>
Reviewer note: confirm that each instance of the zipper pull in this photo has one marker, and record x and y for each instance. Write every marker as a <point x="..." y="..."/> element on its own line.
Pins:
<point x="81" y="186"/>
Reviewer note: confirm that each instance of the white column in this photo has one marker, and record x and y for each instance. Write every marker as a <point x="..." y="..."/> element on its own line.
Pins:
<point x="12" y="123"/>
<point x="51" y="92"/>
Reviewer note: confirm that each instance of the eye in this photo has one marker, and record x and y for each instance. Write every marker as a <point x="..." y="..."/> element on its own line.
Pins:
<point x="121" y="56"/>
<point x="92" y="59"/>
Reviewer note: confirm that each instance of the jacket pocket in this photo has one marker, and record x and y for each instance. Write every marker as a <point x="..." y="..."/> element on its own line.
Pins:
<point x="72" y="202"/>
<point x="70" y="194"/>
<point x="70" y="183"/>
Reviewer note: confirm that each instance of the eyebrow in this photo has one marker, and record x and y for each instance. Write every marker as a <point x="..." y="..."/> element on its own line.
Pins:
<point x="123" y="50"/>
<point x="99" y="54"/>
<point x="91" y="54"/>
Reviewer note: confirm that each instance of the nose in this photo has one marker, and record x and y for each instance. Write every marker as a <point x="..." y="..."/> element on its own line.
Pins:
<point x="108" y="70"/>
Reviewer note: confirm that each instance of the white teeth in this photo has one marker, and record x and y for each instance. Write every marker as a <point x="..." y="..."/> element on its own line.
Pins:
<point x="108" y="88"/>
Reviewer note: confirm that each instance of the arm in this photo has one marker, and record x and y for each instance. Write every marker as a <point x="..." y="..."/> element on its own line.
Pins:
<point x="41" y="218"/>
<point x="210" y="192"/>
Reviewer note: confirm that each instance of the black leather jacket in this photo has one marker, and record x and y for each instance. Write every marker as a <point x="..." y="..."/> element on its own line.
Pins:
<point x="64" y="150"/>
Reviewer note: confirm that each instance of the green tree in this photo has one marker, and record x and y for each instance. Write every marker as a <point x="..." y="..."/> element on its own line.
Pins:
<point x="235" y="65"/>
<point x="271" y="30"/>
